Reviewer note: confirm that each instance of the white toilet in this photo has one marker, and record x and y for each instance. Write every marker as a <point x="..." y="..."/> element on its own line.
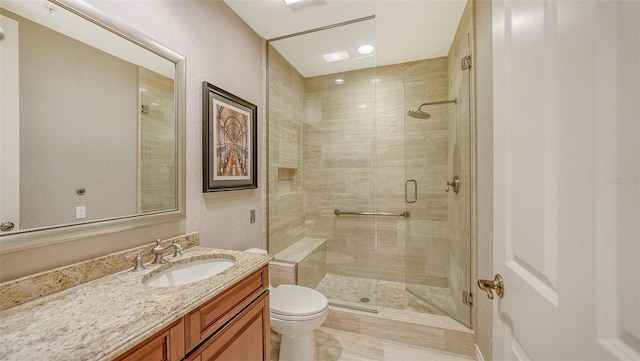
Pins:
<point x="296" y="311"/>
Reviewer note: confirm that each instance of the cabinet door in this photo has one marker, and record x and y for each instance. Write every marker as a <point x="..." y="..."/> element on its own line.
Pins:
<point x="245" y="338"/>
<point x="211" y="316"/>
<point x="166" y="345"/>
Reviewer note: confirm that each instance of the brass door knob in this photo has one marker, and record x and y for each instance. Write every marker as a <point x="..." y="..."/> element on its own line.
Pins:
<point x="496" y="284"/>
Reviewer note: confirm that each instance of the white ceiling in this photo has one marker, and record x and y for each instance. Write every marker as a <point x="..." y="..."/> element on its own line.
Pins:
<point x="404" y="30"/>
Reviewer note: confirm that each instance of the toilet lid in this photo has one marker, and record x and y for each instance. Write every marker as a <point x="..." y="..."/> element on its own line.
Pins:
<point x="292" y="300"/>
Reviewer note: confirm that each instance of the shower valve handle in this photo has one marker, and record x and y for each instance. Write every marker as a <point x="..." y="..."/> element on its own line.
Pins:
<point x="455" y="184"/>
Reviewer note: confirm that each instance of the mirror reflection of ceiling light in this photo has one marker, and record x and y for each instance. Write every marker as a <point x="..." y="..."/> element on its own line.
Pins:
<point x="366" y="49"/>
<point x="50" y="9"/>
<point x="339" y="81"/>
<point x="301" y="4"/>
<point x="337" y="56"/>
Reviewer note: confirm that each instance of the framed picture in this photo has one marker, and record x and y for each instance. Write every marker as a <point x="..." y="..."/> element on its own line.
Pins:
<point x="229" y="141"/>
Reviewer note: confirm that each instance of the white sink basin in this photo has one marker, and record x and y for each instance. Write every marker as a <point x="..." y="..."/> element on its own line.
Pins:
<point x="189" y="272"/>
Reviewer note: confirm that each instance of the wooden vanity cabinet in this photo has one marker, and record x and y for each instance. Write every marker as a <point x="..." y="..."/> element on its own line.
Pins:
<point x="246" y="337"/>
<point x="233" y="325"/>
<point x="166" y="345"/>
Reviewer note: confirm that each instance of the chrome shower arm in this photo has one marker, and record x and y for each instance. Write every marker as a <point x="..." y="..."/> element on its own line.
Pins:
<point x="454" y="101"/>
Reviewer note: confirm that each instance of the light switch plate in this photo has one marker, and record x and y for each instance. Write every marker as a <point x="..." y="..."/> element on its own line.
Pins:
<point x="81" y="212"/>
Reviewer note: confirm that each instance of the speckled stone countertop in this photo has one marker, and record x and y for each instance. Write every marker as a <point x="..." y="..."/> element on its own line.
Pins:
<point x="101" y="319"/>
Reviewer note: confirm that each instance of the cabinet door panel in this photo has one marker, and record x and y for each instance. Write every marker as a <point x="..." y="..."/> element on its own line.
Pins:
<point x="166" y="345"/>
<point x="212" y="315"/>
<point x="244" y="338"/>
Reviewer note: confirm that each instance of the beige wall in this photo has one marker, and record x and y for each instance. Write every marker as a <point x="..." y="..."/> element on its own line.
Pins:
<point x="77" y="129"/>
<point x="206" y="33"/>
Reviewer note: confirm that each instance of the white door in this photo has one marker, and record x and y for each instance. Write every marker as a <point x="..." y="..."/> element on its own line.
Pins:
<point x="567" y="179"/>
<point x="9" y="124"/>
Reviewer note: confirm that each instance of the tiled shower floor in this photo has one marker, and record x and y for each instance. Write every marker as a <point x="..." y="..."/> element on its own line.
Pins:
<point x="350" y="291"/>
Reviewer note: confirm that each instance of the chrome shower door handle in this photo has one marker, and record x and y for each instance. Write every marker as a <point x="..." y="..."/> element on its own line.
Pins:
<point x="415" y="191"/>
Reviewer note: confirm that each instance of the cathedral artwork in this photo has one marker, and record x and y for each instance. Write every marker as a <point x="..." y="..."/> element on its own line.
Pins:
<point x="230" y="158"/>
<point x="231" y="133"/>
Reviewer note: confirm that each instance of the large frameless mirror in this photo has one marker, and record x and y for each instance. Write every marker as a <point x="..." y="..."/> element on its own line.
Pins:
<point x="91" y="125"/>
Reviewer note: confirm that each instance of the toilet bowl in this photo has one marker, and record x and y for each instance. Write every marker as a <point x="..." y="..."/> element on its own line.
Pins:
<point x="296" y="311"/>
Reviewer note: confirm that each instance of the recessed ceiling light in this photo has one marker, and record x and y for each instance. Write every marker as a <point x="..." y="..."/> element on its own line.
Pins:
<point x="337" y="56"/>
<point x="366" y="49"/>
<point x="339" y="81"/>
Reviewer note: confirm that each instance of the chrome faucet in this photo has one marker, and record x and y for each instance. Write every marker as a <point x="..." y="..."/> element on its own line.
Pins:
<point x="158" y="250"/>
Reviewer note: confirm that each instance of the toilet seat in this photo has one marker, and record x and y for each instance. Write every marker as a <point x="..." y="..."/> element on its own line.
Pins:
<point x="296" y="303"/>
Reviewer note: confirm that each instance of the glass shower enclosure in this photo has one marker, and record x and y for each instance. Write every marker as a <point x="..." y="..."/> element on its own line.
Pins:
<point x="341" y="142"/>
<point x="438" y="181"/>
<point x="322" y="161"/>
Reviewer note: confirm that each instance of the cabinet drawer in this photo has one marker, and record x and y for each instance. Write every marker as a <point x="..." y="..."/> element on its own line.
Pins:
<point x="166" y="345"/>
<point x="212" y="315"/>
<point x="246" y="337"/>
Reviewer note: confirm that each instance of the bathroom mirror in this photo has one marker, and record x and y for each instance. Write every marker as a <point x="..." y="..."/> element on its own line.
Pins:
<point x="91" y="125"/>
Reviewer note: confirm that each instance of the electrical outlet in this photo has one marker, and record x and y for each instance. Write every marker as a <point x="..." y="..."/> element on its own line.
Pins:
<point x="253" y="216"/>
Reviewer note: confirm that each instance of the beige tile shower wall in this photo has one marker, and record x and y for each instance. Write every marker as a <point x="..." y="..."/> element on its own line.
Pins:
<point x="156" y="143"/>
<point x="68" y="140"/>
<point x="390" y="104"/>
<point x="355" y="161"/>
<point x="460" y="164"/>
<point x="339" y="169"/>
<point x="427" y="140"/>
<point x="286" y="115"/>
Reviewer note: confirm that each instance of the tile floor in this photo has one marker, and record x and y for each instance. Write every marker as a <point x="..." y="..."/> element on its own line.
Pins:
<point x="384" y="296"/>
<point x="335" y="345"/>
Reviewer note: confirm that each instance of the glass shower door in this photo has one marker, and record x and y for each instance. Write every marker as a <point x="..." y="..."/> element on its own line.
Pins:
<point x="322" y="161"/>
<point x="438" y="181"/>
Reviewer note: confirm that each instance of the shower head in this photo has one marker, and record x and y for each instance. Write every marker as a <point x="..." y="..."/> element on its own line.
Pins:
<point x="418" y="114"/>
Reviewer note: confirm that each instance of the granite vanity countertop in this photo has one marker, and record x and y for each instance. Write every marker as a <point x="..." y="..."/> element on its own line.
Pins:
<point x="101" y="319"/>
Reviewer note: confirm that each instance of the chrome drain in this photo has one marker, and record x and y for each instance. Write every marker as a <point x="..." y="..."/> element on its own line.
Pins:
<point x="364" y="300"/>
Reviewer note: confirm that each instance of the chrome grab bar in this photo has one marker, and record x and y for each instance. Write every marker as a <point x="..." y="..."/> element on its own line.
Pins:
<point x="404" y="214"/>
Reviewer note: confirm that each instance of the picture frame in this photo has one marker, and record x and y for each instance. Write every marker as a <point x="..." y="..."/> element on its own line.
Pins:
<point x="229" y="141"/>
